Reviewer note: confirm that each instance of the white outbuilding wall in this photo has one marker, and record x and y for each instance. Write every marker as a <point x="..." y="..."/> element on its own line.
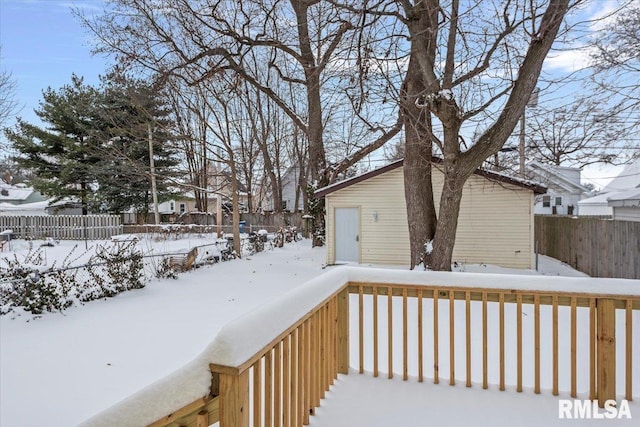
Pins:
<point x="495" y="224"/>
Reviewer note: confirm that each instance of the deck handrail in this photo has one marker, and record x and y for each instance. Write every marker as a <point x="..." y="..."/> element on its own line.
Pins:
<point x="277" y="361"/>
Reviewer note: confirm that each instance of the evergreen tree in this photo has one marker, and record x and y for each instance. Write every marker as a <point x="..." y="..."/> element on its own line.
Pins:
<point x="64" y="154"/>
<point x="130" y="111"/>
<point x="94" y="148"/>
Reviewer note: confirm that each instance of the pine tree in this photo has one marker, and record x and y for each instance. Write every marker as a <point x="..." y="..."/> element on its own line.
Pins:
<point x="64" y="154"/>
<point x="130" y="110"/>
<point x="94" y="148"/>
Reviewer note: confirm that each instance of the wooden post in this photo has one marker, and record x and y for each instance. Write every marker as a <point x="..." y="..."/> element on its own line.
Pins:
<point x="436" y="368"/>
<point x="405" y="344"/>
<point x="390" y="331"/>
<point x="593" y="393"/>
<point x="554" y="308"/>
<point x="234" y="400"/>
<point x="628" y="349"/>
<point x="375" y="331"/>
<point x="360" y="330"/>
<point x="202" y="419"/>
<point x="343" y="331"/>
<point x="606" y="350"/>
<point x="519" y="342"/>
<point x="420" y="334"/>
<point x="485" y="363"/>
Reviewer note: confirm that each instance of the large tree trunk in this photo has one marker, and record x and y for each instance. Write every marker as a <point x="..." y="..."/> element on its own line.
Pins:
<point x="440" y="258"/>
<point x="418" y="187"/>
<point x="458" y="165"/>
<point x="317" y="158"/>
<point x="235" y="202"/>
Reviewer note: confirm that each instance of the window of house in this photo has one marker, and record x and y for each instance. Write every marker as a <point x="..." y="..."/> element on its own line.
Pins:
<point x="284" y="205"/>
<point x="172" y="206"/>
<point x="183" y="207"/>
<point x="546" y="201"/>
<point x="558" y="201"/>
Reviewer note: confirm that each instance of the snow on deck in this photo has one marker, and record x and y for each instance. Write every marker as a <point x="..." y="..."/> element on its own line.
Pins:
<point x="364" y="401"/>
<point x="242" y="338"/>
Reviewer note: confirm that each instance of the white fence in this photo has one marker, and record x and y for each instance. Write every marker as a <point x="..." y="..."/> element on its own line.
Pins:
<point x="63" y="227"/>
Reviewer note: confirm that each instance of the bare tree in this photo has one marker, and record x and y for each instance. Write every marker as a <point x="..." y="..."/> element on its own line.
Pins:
<point x="464" y="52"/>
<point x="615" y="78"/>
<point x="191" y="117"/>
<point x="616" y="60"/>
<point x="297" y="41"/>
<point x="578" y="134"/>
<point x="8" y="101"/>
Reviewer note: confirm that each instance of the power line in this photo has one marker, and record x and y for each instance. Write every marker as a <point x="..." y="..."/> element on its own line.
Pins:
<point x="612" y="177"/>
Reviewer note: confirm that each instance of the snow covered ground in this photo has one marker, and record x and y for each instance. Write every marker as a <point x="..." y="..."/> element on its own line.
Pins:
<point x="72" y="365"/>
<point x="363" y="401"/>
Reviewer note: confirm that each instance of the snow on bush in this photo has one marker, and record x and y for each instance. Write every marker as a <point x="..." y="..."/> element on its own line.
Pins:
<point x="113" y="269"/>
<point x="28" y="285"/>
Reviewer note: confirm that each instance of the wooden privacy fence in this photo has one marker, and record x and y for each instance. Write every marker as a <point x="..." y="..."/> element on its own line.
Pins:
<point x="63" y="227"/>
<point x="273" y="367"/>
<point x="597" y="247"/>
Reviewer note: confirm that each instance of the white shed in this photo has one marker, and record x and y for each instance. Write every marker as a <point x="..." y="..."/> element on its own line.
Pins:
<point x="625" y="205"/>
<point x="366" y="219"/>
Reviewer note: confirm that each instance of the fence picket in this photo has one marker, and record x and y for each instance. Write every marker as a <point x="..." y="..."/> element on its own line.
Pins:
<point x="598" y="247"/>
<point x="62" y="227"/>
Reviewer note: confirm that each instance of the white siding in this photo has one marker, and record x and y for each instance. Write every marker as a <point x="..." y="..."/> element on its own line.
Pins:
<point x="626" y="213"/>
<point x="384" y="241"/>
<point x="495" y="224"/>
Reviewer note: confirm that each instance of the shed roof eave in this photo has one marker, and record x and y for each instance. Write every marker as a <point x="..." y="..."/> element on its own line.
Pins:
<point x="535" y="187"/>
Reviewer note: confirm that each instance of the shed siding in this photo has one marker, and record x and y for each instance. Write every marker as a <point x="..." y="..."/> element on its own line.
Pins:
<point x="495" y="224"/>
<point x="381" y="242"/>
<point x="626" y="213"/>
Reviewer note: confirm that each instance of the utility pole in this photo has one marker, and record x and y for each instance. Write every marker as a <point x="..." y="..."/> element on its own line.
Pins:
<point x="154" y="189"/>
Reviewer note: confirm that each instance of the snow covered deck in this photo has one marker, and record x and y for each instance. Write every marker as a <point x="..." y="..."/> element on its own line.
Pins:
<point x="363" y="401"/>
<point x="279" y="361"/>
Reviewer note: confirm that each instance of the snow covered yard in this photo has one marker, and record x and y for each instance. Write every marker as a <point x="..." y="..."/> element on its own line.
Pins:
<point x="73" y="365"/>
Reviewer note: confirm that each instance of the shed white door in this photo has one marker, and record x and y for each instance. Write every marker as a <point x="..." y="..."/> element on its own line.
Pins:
<point x="346" y="237"/>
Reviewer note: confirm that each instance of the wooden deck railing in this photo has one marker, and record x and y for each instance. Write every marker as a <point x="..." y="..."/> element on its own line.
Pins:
<point x="600" y="332"/>
<point x="273" y="368"/>
<point x="283" y="383"/>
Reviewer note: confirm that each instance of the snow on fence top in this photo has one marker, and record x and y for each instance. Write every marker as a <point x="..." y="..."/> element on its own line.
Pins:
<point x="242" y="338"/>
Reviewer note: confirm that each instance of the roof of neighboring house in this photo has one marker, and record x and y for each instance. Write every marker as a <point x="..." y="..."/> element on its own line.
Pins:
<point x="493" y="176"/>
<point x="600" y="199"/>
<point x="14" y="192"/>
<point x="554" y="176"/>
<point x="624" y="198"/>
<point x="623" y="187"/>
<point x="36" y="208"/>
<point x="629" y="178"/>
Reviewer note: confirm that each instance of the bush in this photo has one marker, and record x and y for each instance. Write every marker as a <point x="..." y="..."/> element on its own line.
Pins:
<point x="110" y="271"/>
<point x="113" y="270"/>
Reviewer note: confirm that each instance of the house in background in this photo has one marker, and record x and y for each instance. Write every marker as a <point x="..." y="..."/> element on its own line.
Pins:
<point x="66" y="206"/>
<point x="19" y="199"/>
<point x="291" y="185"/>
<point x="183" y="203"/>
<point x="366" y="219"/>
<point x="626" y="205"/>
<point x="19" y="194"/>
<point x="564" y="190"/>
<point x="621" y="192"/>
